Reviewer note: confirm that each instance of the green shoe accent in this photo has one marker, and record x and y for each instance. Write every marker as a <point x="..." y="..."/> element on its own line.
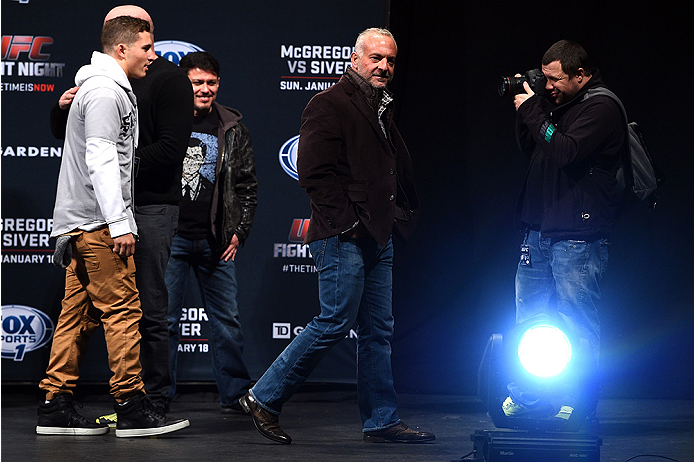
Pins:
<point x="564" y="413"/>
<point x="512" y="409"/>
<point x="110" y="419"/>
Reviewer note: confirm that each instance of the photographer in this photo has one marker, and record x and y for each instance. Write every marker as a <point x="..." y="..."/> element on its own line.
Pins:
<point x="567" y="209"/>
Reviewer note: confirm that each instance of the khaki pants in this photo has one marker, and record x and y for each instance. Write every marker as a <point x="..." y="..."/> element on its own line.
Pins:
<point x="99" y="289"/>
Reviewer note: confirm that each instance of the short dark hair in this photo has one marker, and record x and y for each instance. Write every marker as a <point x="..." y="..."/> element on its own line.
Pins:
<point x="570" y="54"/>
<point x="200" y="60"/>
<point x="122" y="29"/>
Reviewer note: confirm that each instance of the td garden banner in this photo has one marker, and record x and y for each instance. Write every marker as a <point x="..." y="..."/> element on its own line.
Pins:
<point x="274" y="57"/>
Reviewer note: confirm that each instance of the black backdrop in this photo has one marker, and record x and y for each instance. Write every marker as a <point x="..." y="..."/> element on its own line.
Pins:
<point x="454" y="279"/>
<point x="454" y="283"/>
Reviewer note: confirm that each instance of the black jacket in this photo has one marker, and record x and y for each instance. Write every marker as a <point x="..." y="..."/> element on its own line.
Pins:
<point x="234" y="198"/>
<point x="576" y="149"/>
<point x="351" y="170"/>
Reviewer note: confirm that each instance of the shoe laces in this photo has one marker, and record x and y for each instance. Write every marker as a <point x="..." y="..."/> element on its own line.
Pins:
<point x="147" y="407"/>
<point x="73" y="412"/>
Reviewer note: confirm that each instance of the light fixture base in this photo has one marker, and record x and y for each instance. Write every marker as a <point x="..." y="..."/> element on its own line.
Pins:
<point x="518" y="446"/>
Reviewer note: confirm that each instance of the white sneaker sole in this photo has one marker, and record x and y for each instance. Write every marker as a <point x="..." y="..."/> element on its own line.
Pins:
<point x="41" y="430"/>
<point x="135" y="432"/>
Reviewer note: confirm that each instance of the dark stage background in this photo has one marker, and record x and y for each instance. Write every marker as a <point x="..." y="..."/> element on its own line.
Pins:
<point x="454" y="279"/>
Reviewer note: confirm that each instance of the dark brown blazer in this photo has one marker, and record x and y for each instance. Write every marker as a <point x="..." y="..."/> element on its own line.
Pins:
<point x="351" y="171"/>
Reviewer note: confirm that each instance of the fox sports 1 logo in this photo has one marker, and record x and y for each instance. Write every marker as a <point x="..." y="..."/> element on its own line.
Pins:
<point x="24" y="329"/>
<point x="174" y="50"/>
<point x="288" y="154"/>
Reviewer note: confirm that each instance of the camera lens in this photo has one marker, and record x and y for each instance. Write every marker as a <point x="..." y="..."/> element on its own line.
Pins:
<point x="504" y="86"/>
<point x="514" y="85"/>
<point x="511" y="85"/>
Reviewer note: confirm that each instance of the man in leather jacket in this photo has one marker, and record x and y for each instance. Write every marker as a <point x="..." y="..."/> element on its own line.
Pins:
<point x="216" y="213"/>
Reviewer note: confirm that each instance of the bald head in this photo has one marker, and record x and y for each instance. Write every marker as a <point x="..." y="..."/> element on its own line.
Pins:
<point x="130" y="10"/>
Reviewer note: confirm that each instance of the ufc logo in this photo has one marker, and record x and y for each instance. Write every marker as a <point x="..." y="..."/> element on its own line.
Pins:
<point x="13" y="45"/>
<point x="298" y="230"/>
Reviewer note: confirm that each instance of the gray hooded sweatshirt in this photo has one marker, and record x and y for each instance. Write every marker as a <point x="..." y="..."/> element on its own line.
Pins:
<point x="95" y="180"/>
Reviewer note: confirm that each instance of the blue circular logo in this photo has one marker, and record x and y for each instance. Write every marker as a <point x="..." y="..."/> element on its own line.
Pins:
<point x="24" y="329"/>
<point x="174" y="50"/>
<point x="288" y="153"/>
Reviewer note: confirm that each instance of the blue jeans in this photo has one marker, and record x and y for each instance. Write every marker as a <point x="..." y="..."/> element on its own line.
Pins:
<point x="217" y="281"/>
<point x="562" y="280"/>
<point x="355" y="285"/>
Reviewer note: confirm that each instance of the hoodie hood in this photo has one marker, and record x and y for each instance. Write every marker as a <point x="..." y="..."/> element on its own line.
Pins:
<point x="228" y="116"/>
<point x="104" y="65"/>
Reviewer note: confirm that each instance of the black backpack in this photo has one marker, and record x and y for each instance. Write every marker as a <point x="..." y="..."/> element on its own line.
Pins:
<point x="638" y="171"/>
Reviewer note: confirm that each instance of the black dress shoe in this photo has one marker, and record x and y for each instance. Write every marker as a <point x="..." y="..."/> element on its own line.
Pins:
<point x="266" y="423"/>
<point x="400" y="433"/>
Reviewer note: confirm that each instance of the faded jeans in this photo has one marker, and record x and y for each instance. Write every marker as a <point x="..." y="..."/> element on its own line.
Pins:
<point x="562" y="280"/>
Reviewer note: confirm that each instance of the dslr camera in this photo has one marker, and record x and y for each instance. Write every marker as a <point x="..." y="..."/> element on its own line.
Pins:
<point x="514" y="85"/>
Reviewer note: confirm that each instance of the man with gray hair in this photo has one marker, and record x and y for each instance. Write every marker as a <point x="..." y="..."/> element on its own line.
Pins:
<point x="357" y="171"/>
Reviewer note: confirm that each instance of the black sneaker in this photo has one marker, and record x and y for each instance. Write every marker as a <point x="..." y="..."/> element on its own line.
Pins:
<point x="139" y="417"/>
<point x="59" y="417"/>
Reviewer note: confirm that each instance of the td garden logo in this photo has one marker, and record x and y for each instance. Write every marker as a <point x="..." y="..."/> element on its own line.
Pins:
<point x="24" y="329"/>
<point x="285" y="331"/>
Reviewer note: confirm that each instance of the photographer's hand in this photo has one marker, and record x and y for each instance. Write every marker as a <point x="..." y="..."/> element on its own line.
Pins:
<point x="521" y="97"/>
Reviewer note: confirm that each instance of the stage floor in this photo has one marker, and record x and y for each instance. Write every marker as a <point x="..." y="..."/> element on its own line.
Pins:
<point x="324" y="424"/>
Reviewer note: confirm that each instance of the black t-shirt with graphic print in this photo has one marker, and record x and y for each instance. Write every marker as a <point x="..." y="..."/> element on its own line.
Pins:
<point x="199" y="167"/>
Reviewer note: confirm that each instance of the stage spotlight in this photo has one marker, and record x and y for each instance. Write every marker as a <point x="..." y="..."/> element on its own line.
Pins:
<point x="544" y="351"/>
<point x="541" y="355"/>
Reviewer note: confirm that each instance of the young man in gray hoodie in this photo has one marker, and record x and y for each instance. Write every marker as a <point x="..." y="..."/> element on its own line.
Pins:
<point x="93" y="221"/>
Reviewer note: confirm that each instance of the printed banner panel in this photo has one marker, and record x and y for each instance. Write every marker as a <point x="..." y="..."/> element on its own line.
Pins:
<point x="274" y="57"/>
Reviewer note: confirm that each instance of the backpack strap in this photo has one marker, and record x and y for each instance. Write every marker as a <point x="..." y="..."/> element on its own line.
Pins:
<point x="625" y="173"/>
<point x="604" y="91"/>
